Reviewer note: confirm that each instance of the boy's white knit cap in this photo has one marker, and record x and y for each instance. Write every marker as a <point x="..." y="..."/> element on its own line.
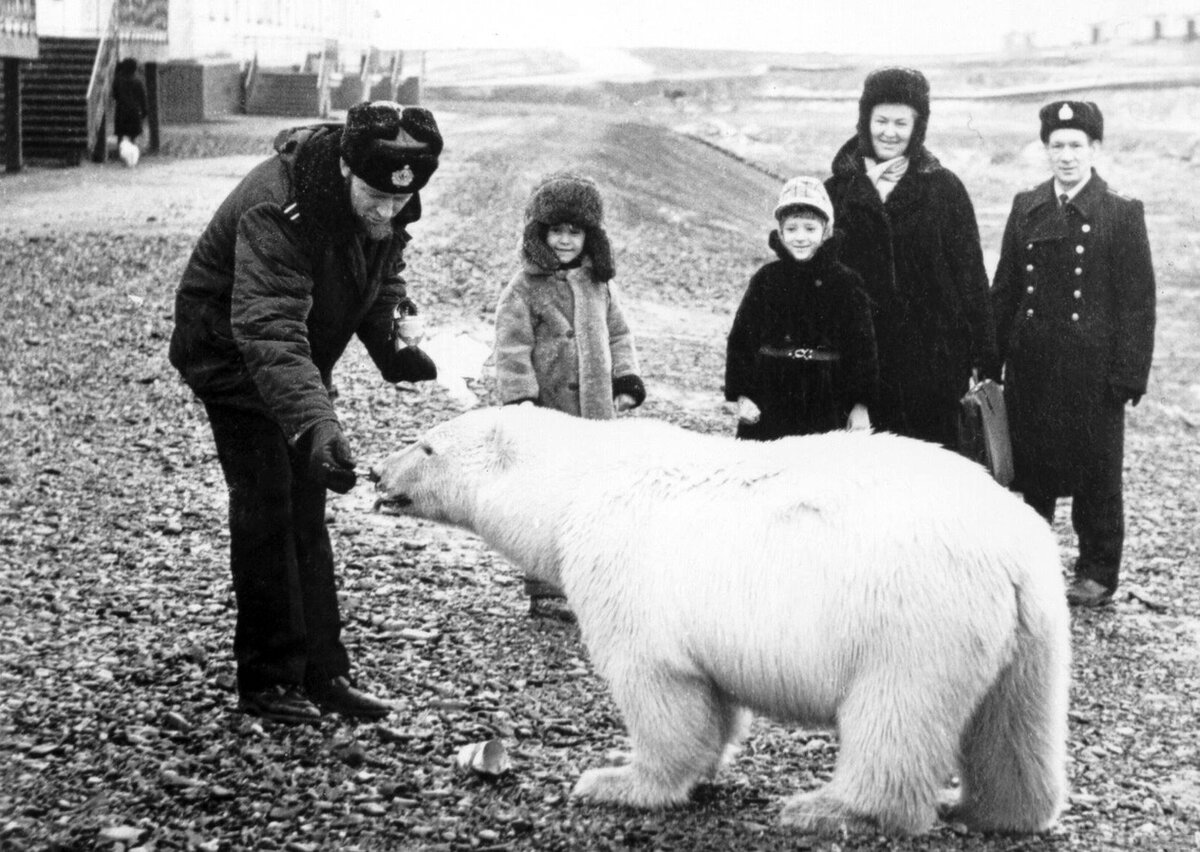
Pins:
<point x="808" y="192"/>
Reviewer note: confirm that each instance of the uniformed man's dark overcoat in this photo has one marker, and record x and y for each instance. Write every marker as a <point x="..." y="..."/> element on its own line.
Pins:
<point x="1073" y="301"/>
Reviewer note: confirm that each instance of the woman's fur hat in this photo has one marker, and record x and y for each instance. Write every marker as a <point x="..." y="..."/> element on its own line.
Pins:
<point x="393" y="148"/>
<point x="895" y="85"/>
<point x="566" y="197"/>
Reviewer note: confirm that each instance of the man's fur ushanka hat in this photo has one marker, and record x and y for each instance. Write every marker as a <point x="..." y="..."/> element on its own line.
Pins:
<point x="906" y="86"/>
<point x="566" y="197"/>
<point x="1076" y="115"/>
<point x="393" y="148"/>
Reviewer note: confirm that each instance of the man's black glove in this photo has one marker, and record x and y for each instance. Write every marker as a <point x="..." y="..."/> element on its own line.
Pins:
<point x="1121" y="394"/>
<point x="330" y="461"/>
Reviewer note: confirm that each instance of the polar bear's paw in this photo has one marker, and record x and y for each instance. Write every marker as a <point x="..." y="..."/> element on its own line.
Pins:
<point x="821" y="814"/>
<point x="626" y="785"/>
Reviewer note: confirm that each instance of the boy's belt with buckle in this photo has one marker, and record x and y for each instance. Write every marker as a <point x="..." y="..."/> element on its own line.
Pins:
<point x="800" y="354"/>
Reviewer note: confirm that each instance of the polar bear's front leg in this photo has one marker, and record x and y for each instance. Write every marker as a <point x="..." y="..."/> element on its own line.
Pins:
<point x="680" y="727"/>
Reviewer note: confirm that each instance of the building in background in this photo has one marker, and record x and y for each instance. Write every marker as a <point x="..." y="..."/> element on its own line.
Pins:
<point x="200" y="59"/>
<point x="1075" y="23"/>
<point x="18" y="41"/>
<point x="1180" y="23"/>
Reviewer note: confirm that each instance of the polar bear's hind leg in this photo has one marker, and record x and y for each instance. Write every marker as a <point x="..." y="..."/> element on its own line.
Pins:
<point x="897" y="749"/>
<point x="1013" y="748"/>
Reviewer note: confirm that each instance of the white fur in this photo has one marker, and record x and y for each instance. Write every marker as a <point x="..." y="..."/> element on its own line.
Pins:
<point x="878" y="584"/>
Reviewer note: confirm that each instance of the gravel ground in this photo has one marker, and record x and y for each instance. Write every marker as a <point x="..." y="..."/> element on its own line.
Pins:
<point x="116" y="613"/>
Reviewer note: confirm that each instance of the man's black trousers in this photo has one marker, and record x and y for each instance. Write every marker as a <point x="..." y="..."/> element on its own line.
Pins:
<point x="288" y="626"/>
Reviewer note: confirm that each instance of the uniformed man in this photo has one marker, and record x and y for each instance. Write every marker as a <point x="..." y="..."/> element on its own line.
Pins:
<point x="305" y="254"/>
<point x="1073" y="301"/>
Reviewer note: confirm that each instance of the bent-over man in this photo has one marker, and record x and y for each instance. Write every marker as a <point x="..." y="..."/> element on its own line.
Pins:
<point x="305" y="253"/>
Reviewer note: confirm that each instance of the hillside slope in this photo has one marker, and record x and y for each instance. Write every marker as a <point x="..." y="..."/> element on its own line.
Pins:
<point x="674" y="205"/>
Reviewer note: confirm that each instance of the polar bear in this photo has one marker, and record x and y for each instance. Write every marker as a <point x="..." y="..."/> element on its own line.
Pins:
<point x="877" y="584"/>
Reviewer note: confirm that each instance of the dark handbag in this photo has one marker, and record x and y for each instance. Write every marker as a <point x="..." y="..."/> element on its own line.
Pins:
<point x="983" y="430"/>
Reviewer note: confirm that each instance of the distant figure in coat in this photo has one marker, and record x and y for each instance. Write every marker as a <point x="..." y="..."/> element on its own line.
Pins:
<point x="910" y="232"/>
<point x="800" y="358"/>
<point x="304" y="254"/>
<point x="1074" y="304"/>
<point x="562" y="340"/>
<point x="130" y="106"/>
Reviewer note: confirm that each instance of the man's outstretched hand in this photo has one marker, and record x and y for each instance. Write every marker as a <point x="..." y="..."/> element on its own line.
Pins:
<point x="330" y="460"/>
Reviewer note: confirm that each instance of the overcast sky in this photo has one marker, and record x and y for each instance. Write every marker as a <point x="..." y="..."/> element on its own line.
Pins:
<point x="836" y="26"/>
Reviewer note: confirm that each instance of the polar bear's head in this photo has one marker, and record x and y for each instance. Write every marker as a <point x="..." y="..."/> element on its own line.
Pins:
<point x="491" y="471"/>
<point x="437" y="476"/>
<point x="441" y="476"/>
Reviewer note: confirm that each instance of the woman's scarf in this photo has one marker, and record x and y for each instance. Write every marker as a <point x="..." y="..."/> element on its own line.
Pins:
<point x="885" y="175"/>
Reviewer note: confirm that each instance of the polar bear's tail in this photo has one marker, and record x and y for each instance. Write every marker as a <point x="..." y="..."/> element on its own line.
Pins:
<point x="1013" y="750"/>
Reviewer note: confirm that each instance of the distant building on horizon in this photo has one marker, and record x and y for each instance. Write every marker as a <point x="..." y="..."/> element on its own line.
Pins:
<point x="1172" y="25"/>
<point x="1100" y="22"/>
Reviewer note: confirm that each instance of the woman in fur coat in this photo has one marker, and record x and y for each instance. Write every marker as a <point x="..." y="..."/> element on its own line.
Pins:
<point x="561" y="338"/>
<point x="910" y="232"/>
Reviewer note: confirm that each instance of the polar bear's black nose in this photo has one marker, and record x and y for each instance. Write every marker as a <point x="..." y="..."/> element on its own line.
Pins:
<point x="373" y="474"/>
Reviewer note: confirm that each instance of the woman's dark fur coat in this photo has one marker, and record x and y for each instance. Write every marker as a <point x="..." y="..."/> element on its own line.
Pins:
<point x="789" y="304"/>
<point x="922" y="267"/>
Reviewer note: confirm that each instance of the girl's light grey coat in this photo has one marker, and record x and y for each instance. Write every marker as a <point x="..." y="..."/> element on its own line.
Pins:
<point x="562" y="341"/>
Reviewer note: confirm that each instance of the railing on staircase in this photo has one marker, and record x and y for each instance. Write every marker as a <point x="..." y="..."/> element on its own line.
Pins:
<point x="250" y="79"/>
<point x="396" y="74"/>
<point x="101" y="84"/>
<point x="328" y="63"/>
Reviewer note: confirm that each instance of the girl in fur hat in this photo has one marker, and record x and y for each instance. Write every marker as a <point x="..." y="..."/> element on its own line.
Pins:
<point x="801" y="353"/>
<point x="561" y="338"/>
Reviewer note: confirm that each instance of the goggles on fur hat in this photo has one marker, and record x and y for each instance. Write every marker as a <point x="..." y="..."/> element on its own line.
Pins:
<point x="392" y="148"/>
<point x="1075" y="115"/>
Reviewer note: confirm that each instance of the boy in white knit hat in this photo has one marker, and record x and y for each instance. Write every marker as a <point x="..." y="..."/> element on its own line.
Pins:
<point x="801" y="354"/>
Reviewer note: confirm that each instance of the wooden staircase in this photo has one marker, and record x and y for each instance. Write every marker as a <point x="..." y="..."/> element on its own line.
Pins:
<point x="54" y="99"/>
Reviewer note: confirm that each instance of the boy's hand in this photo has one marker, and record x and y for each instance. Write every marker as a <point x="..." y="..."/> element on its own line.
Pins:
<point x="748" y="412"/>
<point x="624" y="402"/>
<point x="858" y="420"/>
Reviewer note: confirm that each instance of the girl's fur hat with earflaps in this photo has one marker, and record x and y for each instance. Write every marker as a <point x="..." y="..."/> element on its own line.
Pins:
<point x="566" y="197"/>
<point x="906" y="86"/>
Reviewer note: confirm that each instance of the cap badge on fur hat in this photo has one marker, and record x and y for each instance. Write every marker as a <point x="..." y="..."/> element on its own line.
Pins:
<point x="1065" y="113"/>
<point x="393" y="148"/>
<point x="402" y="178"/>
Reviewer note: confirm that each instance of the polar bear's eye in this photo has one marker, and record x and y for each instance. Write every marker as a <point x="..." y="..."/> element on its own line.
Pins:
<point x="426" y="449"/>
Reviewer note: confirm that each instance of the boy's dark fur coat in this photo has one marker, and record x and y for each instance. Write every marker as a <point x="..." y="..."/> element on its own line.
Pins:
<point x="817" y="304"/>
